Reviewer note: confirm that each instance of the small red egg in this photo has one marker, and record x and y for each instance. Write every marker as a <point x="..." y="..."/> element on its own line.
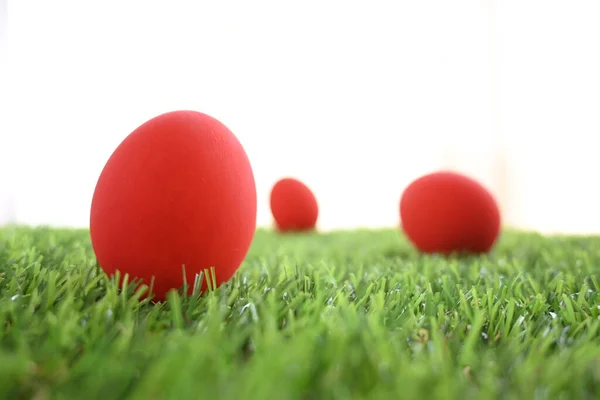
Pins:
<point x="446" y="212"/>
<point x="294" y="206"/>
<point x="178" y="191"/>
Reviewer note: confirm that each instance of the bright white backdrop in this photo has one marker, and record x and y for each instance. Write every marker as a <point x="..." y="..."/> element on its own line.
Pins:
<point x="355" y="98"/>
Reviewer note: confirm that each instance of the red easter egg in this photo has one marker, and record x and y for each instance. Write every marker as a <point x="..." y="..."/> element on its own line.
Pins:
<point x="294" y="206"/>
<point x="447" y="212"/>
<point x="178" y="191"/>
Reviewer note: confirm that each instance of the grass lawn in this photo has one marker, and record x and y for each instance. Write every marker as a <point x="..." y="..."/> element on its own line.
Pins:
<point x="343" y="315"/>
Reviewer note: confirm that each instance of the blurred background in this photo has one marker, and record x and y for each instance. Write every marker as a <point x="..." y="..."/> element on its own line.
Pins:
<point x="356" y="99"/>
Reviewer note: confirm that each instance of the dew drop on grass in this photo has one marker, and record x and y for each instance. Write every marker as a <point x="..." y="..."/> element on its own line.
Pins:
<point x="244" y="308"/>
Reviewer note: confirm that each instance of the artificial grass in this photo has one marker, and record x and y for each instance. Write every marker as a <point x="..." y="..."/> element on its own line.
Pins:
<point x="342" y="315"/>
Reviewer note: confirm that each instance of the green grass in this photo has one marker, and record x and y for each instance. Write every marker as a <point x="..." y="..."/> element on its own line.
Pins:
<point x="344" y="315"/>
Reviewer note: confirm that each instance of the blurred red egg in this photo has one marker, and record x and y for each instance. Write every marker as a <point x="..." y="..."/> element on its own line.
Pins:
<point x="178" y="191"/>
<point x="294" y="206"/>
<point x="446" y="212"/>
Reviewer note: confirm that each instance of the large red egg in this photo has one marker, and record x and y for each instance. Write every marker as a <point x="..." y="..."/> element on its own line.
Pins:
<point x="178" y="191"/>
<point x="446" y="212"/>
<point x="294" y="206"/>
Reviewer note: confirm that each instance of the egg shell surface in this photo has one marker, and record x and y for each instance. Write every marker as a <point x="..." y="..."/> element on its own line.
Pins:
<point x="178" y="192"/>
<point x="294" y="206"/>
<point x="447" y="212"/>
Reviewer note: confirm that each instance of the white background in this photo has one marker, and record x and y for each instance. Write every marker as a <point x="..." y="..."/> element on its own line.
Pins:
<point x="355" y="98"/>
